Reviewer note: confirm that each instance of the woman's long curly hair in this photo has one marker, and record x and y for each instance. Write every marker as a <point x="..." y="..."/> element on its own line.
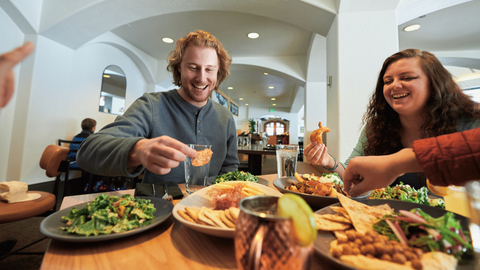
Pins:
<point x="447" y="104"/>
<point x="199" y="38"/>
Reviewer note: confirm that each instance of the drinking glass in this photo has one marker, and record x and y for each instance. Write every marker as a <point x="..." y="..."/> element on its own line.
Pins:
<point x="263" y="240"/>
<point x="286" y="159"/>
<point x="196" y="176"/>
<point x="473" y="194"/>
<point x="456" y="201"/>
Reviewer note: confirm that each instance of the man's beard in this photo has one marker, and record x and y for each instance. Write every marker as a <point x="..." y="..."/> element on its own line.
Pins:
<point x="195" y="98"/>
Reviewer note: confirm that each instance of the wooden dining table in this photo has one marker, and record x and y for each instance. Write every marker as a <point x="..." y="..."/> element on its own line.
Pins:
<point x="170" y="245"/>
<point x="255" y="153"/>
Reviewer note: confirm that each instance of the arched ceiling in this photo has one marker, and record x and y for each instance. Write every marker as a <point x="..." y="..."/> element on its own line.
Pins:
<point x="285" y="28"/>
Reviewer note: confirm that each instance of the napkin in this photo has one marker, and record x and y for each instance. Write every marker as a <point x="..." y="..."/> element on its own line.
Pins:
<point x="146" y="189"/>
<point x="16" y="191"/>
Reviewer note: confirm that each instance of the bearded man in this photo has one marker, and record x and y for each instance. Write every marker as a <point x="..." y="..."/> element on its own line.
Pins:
<point x="154" y="131"/>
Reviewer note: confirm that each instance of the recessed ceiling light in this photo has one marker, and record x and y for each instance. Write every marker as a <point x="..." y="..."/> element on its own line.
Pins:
<point x="106" y="76"/>
<point x="240" y="98"/>
<point x="271" y="87"/>
<point x="246" y="104"/>
<point x="230" y="87"/>
<point x="411" y="28"/>
<point x="274" y="104"/>
<point x="253" y="35"/>
<point x="167" y="40"/>
<point x="272" y="98"/>
<point x="265" y="73"/>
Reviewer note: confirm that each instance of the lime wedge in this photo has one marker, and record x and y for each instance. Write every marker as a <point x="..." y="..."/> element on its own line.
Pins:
<point x="294" y="207"/>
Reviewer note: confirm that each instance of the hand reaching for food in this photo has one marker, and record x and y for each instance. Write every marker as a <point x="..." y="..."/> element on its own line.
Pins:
<point x="316" y="135"/>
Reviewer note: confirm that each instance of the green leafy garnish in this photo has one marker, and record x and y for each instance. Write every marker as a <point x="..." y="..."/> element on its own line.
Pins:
<point x="402" y="192"/>
<point x="443" y="234"/>
<point x="235" y="176"/>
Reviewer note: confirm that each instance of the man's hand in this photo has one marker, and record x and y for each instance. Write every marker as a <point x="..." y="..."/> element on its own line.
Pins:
<point x="7" y="62"/>
<point x="159" y="154"/>
<point x="373" y="172"/>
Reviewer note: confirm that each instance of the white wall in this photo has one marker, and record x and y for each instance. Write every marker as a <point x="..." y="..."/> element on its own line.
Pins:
<point x="57" y="88"/>
<point x="87" y="69"/>
<point x="357" y="47"/>
<point x="11" y="38"/>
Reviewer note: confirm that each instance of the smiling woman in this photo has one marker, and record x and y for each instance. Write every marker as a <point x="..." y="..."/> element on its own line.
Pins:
<point x="415" y="97"/>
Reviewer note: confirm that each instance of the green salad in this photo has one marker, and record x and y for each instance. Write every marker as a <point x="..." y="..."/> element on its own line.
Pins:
<point x="418" y="229"/>
<point x="109" y="214"/>
<point x="235" y="176"/>
<point x="402" y="192"/>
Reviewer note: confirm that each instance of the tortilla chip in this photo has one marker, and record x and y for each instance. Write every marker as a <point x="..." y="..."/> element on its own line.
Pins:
<point x="329" y="225"/>
<point x="340" y="210"/>
<point x="337" y="217"/>
<point x="204" y="218"/>
<point x="225" y="220"/>
<point x="438" y="260"/>
<point x="229" y="216"/>
<point x="234" y="212"/>
<point x="203" y="157"/>
<point x="362" y="262"/>
<point x="185" y="216"/>
<point x="385" y="207"/>
<point x="213" y="217"/>
<point x="193" y="213"/>
<point x="341" y="235"/>
<point x="362" y="216"/>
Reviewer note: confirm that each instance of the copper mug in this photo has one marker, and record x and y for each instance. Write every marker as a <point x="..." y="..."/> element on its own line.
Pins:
<point x="263" y="240"/>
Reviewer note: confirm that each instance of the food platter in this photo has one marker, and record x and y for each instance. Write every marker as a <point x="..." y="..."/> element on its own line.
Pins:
<point x="50" y="226"/>
<point x="316" y="202"/>
<point x="322" y="243"/>
<point x="200" y="198"/>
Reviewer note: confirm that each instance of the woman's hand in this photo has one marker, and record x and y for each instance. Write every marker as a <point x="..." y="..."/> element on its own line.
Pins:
<point x="317" y="154"/>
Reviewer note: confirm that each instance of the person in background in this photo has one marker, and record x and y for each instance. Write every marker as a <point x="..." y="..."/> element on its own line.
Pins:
<point x="154" y="131"/>
<point x="415" y="98"/>
<point x="88" y="128"/>
<point x="7" y="62"/>
<point x="452" y="159"/>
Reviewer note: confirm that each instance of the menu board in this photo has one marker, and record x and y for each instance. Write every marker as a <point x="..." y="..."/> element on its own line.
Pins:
<point x="234" y="109"/>
<point x="219" y="98"/>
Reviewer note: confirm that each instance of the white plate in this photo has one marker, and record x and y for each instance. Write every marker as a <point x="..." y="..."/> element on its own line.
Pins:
<point x="200" y="198"/>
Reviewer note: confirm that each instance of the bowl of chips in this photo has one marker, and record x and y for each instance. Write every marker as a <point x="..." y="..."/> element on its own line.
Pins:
<point x="315" y="201"/>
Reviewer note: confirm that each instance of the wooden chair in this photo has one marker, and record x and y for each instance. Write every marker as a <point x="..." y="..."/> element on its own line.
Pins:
<point x="54" y="162"/>
<point x="85" y="175"/>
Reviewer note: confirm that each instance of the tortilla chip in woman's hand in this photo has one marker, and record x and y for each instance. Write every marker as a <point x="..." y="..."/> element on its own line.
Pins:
<point x="316" y="135"/>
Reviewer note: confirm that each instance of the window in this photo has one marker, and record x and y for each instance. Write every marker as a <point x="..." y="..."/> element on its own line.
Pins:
<point x="274" y="128"/>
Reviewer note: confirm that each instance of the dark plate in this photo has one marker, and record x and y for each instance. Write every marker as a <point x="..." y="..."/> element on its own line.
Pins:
<point x="322" y="243"/>
<point x="316" y="202"/>
<point x="50" y="226"/>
